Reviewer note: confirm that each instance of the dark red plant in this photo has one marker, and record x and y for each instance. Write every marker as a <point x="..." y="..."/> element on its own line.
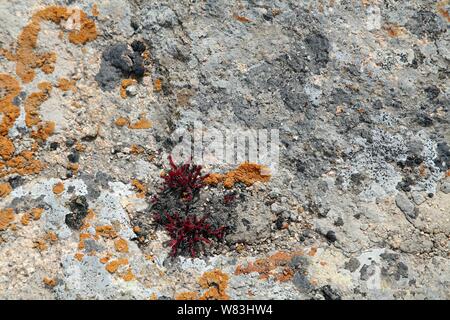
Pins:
<point x="189" y="232"/>
<point x="186" y="179"/>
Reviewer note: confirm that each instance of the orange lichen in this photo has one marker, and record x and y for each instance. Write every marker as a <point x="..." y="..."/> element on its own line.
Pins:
<point x="121" y="245"/>
<point x="5" y="189"/>
<point x="120" y="122"/>
<point x="6" y="218"/>
<point x="136" y="229"/>
<point x="66" y="85"/>
<point x="442" y="11"/>
<point x="33" y="102"/>
<point x="105" y="259"/>
<point x="124" y="85"/>
<point x="241" y="18"/>
<point x="214" y="179"/>
<point x="394" y="31"/>
<point x="187" y="296"/>
<point x="142" y="123"/>
<point x="135" y="149"/>
<point x="216" y="282"/>
<point x="51" y="236"/>
<point x="83" y="236"/>
<point x="114" y="265"/>
<point x="247" y="173"/>
<point x="157" y="85"/>
<point x="128" y="276"/>
<point x="79" y="256"/>
<point x="267" y="267"/>
<point x="94" y="10"/>
<point x="27" y="59"/>
<point x="40" y="244"/>
<point x="106" y="232"/>
<point x="37" y="213"/>
<point x="49" y="282"/>
<point x="25" y="220"/>
<point x="58" y="188"/>
<point x="7" y="148"/>
<point x="312" y="252"/>
<point x="141" y="188"/>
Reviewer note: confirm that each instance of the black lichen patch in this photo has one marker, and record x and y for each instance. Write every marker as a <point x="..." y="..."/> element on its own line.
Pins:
<point x="425" y="24"/>
<point x="120" y="61"/>
<point x="79" y="210"/>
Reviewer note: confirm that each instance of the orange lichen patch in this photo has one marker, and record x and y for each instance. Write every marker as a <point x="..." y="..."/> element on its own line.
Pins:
<point x="6" y="218"/>
<point x="90" y="214"/>
<point x="114" y="265"/>
<point x="5" y="189"/>
<point x="312" y="252"/>
<point x="9" y="88"/>
<point x="157" y="85"/>
<point x="121" y="245"/>
<point x="214" y="179"/>
<point x="135" y="149"/>
<point x="124" y="85"/>
<point x="142" y="123"/>
<point x="241" y="18"/>
<point x="269" y="266"/>
<point x="80" y="147"/>
<point x="247" y="173"/>
<point x="216" y="282"/>
<point x="51" y="236"/>
<point x="58" y="188"/>
<point x="128" y="276"/>
<point x="7" y="148"/>
<point x="137" y="229"/>
<point x="187" y="296"/>
<point x="94" y="10"/>
<point x="28" y="60"/>
<point x="394" y="31"/>
<point x="285" y="275"/>
<point x="79" y="256"/>
<point x="40" y="244"/>
<point x="22" y="164"/>
<point x="66" y="85"/>
<point x="106" y="232"/>
<point x="83" y="236"/>
<point x="120" y="122"/>
<point x="49" y="282"/>
<point x="25" y="220"/>
<point x="105" y="259"/>
<point x="74" y="167"/>
<point x="37" y="213"/>
<point x="34" y="101"/>
<point x="442" y="10"/>
<point x="141" y="188"/>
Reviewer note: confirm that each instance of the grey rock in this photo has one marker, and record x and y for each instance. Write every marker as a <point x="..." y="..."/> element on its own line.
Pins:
<point x="352" y="265"/>
<point x="445" y="187"/>
<point x="405" y="205"/>
<point x="367" y="271"/>
<point x="302" y="283"/>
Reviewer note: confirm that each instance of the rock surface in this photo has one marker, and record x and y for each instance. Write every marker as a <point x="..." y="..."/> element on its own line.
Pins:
<point x="358" y="208"/>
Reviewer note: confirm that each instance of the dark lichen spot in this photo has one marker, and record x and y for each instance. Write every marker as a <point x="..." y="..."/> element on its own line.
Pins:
<point x="79" y="210"/>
